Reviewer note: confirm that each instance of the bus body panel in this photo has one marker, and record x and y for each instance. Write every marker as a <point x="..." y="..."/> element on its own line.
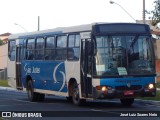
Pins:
<point x="113" y="82"/>
<point x="11" y="74"/>
<point x="50" y="75"/>
<point x="72" y="70"/>
<point x="47" y="75"/>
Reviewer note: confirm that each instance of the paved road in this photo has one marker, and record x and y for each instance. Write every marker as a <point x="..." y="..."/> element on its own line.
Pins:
<point x="16" y="101"/>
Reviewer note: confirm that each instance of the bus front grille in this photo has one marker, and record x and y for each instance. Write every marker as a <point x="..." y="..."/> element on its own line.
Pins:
<point x="132" y="87"/>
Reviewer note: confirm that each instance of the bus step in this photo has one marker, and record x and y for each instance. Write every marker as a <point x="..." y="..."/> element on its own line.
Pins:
<point x="19" y="88"/>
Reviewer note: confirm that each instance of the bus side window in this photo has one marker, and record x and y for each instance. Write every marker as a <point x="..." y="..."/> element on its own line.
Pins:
<point x="61" y="52"/>
<point x="50" y="48"/>
<point x="73" y="47"/>
<point x="30" y="49"/>
<point x="39" y="49"/>
<point x="29" y="55"/>
<point x="12" y="50"/>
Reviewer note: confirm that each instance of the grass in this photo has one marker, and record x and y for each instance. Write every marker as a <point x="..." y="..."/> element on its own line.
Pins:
<point x="4" y="83"/>
<point x="2" y="118"/>
<point x="157" y="97"/>
<point x="158" y="84"/>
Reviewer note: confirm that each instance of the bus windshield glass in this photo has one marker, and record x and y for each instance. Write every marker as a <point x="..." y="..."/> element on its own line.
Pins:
<point x="123" y="55"/>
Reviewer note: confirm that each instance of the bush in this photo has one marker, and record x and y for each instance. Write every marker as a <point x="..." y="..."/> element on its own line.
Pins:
<point x="1" y="42"/>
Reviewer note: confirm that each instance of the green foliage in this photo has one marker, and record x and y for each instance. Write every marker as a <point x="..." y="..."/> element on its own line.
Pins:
<point x="158" y="84"/>
<point x="155" y="13"/>
<point x="1" y="42"/>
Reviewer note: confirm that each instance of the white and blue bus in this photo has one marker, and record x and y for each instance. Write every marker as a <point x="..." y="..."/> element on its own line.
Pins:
<point x="94" y="61"/>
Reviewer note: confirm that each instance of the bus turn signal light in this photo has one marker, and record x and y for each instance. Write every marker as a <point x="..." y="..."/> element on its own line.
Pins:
<point x="98" y="87"/>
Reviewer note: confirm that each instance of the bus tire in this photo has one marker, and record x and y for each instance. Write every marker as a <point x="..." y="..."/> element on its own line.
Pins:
<point x="127" y="101"/>
<point x="75" y="95"/>
<point x="69" y="99"/>
<point x="41" y="97"/>
<point x="32" y="96"/>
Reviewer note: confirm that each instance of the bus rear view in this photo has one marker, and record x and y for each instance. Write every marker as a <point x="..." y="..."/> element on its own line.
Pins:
<point x="123" y="63"/>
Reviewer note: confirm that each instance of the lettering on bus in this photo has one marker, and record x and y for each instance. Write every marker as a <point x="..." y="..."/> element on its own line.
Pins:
<point x="33" y="69"/>
<point x="36" y="70"/>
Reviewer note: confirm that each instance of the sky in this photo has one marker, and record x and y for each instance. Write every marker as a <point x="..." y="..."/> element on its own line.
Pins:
<point x="64" y="13"/>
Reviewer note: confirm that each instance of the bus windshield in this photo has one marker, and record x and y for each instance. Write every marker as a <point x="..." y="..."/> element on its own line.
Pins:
<point x="123" y="55"/>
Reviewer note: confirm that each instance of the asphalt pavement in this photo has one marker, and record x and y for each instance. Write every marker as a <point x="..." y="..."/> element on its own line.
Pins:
<point x="14" y="100"/>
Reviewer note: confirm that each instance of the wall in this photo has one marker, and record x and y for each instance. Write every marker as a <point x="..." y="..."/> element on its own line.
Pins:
<point x="158" y="49"/>
<point x="157" y="52"/>
<point x="3" y="56"/>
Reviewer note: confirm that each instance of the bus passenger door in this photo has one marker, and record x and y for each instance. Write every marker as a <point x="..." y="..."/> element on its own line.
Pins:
<point x="18" y="67"/>
<point x="86" y="79"/>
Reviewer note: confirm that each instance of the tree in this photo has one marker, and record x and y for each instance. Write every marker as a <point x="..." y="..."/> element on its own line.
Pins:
<point x="155" y="13"/>
<point x="1" y="42"/>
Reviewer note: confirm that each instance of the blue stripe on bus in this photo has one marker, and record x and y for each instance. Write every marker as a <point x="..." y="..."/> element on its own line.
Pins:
<point x="48" y="75"/>
<point x="123" y="81"/>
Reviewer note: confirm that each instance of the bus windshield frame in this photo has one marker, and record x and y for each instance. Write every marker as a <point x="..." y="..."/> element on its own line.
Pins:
<point x="117" y="55"/>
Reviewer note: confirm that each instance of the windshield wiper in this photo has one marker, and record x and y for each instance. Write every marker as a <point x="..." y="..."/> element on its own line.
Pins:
<point x="134" y="40"/>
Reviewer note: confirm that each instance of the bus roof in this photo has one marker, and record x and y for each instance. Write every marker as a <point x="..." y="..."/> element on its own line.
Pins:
<point x="61" y="30"/>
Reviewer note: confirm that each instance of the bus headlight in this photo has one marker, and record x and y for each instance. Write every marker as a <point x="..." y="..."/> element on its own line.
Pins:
<point x="104" y="88"/>
<point x="151" y="86"/>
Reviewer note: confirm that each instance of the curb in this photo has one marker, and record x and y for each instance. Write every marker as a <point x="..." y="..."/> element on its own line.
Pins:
<point x="156" y="101"/>
<point x="158" y="89"/>
<point x="11" y="89"/>
<point x="7" y="88"/>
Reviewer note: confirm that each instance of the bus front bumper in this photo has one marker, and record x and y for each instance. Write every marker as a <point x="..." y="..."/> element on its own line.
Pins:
<point x="113" y="93"/>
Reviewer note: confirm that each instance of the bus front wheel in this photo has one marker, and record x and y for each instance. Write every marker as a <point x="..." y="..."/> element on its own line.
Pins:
<point x="33" y="96"/>
<point x="75" y="95"/>
<point x="127" y="101"/>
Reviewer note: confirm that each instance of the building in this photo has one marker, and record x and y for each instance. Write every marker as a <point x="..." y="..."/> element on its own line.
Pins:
<point x="4" y="50"/>
<point x="4" y="37"/>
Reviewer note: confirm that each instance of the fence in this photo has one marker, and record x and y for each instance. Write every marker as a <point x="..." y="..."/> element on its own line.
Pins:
<point x="3" y="74"/>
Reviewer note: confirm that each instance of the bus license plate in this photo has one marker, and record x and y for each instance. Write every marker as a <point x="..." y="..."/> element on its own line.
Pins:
<point x="128" y="93"/>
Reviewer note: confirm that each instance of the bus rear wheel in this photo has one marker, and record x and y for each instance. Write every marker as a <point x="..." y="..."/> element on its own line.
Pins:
<point x="75" y="95"/>
<point x="33" y="96"/>
<point x="69" y="99"/>
<point x="127" y="101"/>
<point x="41" y="97"/>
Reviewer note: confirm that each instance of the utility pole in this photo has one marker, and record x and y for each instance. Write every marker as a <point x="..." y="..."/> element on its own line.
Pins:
<point x="144" y="12"/>
<point x="38" y="23"/>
